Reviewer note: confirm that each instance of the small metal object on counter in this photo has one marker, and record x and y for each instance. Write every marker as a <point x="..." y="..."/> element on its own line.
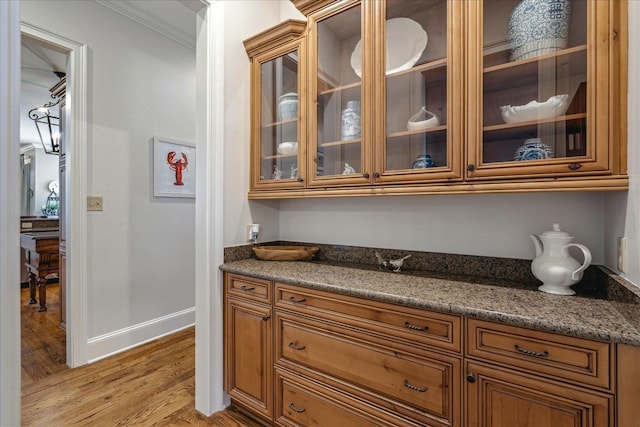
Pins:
<point x="395" y="264"/>
<point x="382" y="264"/>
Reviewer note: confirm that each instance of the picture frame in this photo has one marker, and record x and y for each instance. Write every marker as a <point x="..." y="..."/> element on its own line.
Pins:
<point x="174" y="168"/>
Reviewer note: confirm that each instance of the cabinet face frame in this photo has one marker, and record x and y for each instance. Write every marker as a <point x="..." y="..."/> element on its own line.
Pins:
<point x="257" y="61"/>
<point x="454" y="94"/>
<point x="363" y="176"/>
<point x="603" y="106"/>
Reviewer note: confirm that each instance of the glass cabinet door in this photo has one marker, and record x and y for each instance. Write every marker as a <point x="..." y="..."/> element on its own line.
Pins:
<point x="338" y="65"/>
<point x="280" y="144"/>
<point x="421" y="111"/>
<point x="534" y="109"/>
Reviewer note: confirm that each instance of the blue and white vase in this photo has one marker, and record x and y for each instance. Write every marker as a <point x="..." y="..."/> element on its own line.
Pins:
<point x="423" y="162"/>
<point x="533" y="149"/>
<point x="351" y="127"/>
<point x="288" y="106"/>
<point x="537" y="27"/>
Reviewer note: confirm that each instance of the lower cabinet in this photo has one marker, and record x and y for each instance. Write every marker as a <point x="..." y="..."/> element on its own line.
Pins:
<point x="248" y="356"/>
<point x="301" y="357"/>
<point x="507" y="398"/>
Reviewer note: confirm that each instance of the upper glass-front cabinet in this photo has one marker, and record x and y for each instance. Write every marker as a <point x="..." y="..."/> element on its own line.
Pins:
<point x="338" y="108"/>
<point x="278" y="138"/>
<point x="539" y="87"/>
<point x="382" y="104"/>
<point x="419" y="70"/>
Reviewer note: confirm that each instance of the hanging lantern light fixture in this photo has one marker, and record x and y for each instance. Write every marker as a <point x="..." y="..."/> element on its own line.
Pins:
<point x="48" y="123"/>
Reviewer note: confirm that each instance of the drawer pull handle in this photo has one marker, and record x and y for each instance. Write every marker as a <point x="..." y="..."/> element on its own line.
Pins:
<point x="293" y="408"/>
<point x="412" y="387"/>
<point x="246" y="288"/>
<point x="416" y="328"/>
<point x="531" y="353"/>
<point x="297" y="301"/>
<point x="295" y="347"/>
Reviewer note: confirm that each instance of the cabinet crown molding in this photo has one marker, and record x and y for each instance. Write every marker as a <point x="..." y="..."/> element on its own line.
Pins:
<point x="275" y="36"/>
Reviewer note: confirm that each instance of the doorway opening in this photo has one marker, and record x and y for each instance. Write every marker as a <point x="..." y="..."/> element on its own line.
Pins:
<point x="45" y="56"/>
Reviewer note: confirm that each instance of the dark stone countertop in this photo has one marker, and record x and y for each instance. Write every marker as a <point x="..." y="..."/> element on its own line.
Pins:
<point x="592" y="318"/>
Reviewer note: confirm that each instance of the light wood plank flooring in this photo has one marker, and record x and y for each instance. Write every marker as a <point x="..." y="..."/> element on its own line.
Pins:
<point x="152" y="384"/>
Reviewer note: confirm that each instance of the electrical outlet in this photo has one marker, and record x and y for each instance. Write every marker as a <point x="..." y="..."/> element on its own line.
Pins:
<point x="94" y="203"/>
<point x="622" y="254"/>
<point x="249" y="236"/>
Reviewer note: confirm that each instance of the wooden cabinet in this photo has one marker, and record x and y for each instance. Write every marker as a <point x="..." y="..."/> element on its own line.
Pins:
<point x="278" y="119"/>
<point x="296" y="356"/>
<point x="400" y="97"/>
<point x="506" y="398"/>
<point x="248" y="347"/>
<point x="518" y="376"/>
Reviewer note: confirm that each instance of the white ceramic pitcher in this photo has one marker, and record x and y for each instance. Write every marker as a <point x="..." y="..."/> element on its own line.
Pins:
<point x="553" y="266"/>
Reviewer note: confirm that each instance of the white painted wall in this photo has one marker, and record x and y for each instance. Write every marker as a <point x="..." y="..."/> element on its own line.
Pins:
<point x="140" y="248"/>
<point x="245" y="19"/>
<point x="622" y="210"/>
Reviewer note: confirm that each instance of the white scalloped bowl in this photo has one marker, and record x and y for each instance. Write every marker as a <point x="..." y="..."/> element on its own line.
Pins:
<point x="555" y="106"/>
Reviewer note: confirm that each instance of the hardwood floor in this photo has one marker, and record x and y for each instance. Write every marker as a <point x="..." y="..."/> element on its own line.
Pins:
<point x="152" y="384"/>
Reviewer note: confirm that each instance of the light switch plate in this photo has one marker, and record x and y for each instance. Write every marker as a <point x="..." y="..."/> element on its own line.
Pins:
<point x="94" y="203"/>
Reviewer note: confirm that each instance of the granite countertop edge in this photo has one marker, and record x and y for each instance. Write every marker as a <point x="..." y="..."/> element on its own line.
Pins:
<point x="581" y="317"/>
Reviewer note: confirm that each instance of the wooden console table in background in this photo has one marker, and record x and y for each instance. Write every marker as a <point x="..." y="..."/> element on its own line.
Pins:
<point x="42" y="254"/>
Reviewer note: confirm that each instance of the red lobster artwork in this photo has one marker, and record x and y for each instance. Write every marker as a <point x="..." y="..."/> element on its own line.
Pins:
<point x="177" y="165"/>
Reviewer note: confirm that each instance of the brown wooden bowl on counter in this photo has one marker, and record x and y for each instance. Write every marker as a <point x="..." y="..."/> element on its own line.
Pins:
<point x="285" y="253"/>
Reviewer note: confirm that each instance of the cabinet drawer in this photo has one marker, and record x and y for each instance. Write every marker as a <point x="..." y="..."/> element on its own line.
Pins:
<point x="558" y="356"/>
<point x="248" y="287"/>
<point x="411" y="325"/>
<point x="301" y="402"/>
<point x="419" y="386"/>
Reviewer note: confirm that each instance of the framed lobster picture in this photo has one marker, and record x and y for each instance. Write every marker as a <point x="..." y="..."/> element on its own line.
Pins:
<point x="174" y="168"/>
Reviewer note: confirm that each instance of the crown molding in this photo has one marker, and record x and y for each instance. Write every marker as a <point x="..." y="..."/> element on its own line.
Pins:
<point x="147" y="17"/>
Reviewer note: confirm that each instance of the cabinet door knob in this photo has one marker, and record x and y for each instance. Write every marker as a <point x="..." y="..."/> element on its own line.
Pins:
<point x="574" y="166"/>
<point x="471" y="167"/>
<point x="266" y="317"/>
<point x="366" y="175"/>
<point x="300" y="180"/>
<point x="471" y="377"/>
<point x="376" y="174"/>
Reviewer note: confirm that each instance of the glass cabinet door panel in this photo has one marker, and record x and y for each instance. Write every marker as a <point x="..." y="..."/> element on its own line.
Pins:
<point x="418" y="97"/>
<point x="338" y="97"/>
<point x="279" y="116"/>
<point x="534" y="82"/>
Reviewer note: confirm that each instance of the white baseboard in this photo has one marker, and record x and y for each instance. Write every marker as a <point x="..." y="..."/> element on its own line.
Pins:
<point x="118" y="341"/>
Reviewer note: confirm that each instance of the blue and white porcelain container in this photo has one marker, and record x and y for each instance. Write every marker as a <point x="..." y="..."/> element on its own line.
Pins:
<point x="423" y="161"/>
<point x="288" y="106"/>
<point x="351" y="125"/>
<point x="537" y="27"/>
<point x="533" y="149"/>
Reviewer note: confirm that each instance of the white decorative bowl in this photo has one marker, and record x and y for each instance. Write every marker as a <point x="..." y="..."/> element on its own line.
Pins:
<point x="430" y="120"/>
<point x="287" y="148"/>
<point x="555" y="106"/>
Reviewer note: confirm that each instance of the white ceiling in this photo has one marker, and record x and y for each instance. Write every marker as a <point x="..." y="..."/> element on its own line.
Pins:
<point x="174" y="19"/>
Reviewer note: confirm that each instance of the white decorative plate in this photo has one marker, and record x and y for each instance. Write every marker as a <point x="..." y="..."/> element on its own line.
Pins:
<point x="406" y="40"/>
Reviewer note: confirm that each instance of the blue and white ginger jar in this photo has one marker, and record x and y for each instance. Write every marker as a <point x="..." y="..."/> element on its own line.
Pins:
<point x="533" y="149"/>
<point x="537" y="27"/>
<point x="351" y="125"/>
<point x="423" y="161"/>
